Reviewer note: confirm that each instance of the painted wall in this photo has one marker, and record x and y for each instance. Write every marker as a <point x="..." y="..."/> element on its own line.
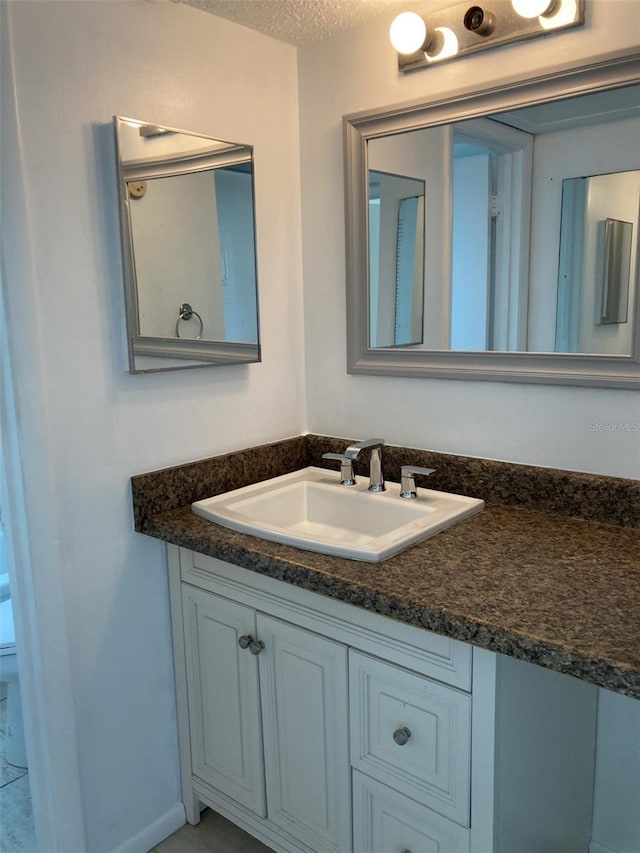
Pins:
<point x="86" y="422"/>
<point x="576" y="428"/>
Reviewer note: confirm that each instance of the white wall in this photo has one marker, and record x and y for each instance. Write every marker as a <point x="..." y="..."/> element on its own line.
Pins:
<point x="76" y="65"/>
<point x="574" y="428"/>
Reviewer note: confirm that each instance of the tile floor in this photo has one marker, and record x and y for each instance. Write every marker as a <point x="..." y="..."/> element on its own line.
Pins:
<point x="17" y="833"/>
<point x="214" y="834"/>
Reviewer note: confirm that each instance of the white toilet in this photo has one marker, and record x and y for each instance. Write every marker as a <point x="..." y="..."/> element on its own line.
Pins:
<point x="15" y="751"/>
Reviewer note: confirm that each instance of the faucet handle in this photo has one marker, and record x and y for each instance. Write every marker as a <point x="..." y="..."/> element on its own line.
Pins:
<point x="346" y="467"/>
<point x="407" y="481"/>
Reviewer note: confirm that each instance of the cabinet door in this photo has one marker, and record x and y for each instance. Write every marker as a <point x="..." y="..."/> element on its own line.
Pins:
<point x="224" y="703"/>
<point x="303" y="684"/>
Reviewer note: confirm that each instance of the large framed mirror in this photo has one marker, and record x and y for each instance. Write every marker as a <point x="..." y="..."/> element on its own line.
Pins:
<point x="187" y="216"/>
<point x="494" y="234"/>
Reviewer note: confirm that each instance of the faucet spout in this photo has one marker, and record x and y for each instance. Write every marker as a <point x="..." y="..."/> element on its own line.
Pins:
<point x="376" y="472"/>
<point x="353" y="451"/>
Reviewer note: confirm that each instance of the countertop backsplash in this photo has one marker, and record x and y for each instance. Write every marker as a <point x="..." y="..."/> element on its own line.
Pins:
<point x="608" y="500"/>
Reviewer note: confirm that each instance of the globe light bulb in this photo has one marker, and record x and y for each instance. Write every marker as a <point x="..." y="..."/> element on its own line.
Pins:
<point x="532" y="8"/>
<point x="408" y="32"/>
<point x="563" y="13"/>
<point x="447" y="44"/>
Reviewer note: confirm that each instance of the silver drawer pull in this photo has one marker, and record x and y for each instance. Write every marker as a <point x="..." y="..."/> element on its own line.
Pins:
<point x="406" y="850"/>
<point x="402" y="735"/>
<point x="245" y="641"/>
<point x="256" y="646"/>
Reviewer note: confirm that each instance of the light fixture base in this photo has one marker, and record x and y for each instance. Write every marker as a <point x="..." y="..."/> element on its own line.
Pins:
<point x="478" y="27"/>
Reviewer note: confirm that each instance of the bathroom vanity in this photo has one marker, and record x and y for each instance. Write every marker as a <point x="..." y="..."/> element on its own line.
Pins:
<point x="302" y="717"/>
<point x="330" y="705"/>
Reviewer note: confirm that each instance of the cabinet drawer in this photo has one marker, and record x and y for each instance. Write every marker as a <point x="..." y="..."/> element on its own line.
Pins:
<point x="412" y="734"/>
<point x="386" y="822"/>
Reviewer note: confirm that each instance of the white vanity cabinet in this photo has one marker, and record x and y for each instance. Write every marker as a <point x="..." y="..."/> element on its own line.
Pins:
<point x="320" y="727"/>
<point x="268" y="711"/>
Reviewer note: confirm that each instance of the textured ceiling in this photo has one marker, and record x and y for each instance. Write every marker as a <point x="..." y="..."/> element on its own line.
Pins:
<point x="298" y="21"/>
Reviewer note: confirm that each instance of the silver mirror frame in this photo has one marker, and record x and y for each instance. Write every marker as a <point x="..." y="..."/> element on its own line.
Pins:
<point x="614" y="371"/>
<point x="178" y="353"/>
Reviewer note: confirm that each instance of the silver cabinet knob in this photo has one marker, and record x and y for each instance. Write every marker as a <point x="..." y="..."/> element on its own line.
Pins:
<point x="402" y="735"/>
<point x="246" y="641"/>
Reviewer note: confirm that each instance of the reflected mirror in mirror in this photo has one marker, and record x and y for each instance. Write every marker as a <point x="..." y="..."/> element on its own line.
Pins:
<point x="396" y="259"/>
<point x="188" y="237"/>
<point x="598" y="263"/>
<point x="530" y="207"/>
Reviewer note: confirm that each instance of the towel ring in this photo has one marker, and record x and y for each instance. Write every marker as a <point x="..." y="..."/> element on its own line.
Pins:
<point x="186" y="312"/>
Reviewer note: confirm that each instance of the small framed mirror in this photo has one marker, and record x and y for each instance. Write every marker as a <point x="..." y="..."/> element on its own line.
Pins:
<point x="494" y="234"/>
<point x="187" y="216"/>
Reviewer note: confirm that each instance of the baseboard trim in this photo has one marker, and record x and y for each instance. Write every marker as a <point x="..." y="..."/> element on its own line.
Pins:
<point x="155" y="832"/>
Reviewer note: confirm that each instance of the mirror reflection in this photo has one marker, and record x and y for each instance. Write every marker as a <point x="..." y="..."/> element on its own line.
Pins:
<point x="597" y="269"/>
<point x="188" y="235"/>
<point x="529" y="230"/>
<point x="396" y="259"/>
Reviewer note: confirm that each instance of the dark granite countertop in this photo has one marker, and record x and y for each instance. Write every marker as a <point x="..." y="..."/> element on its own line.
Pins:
<point x="555" y="590"/>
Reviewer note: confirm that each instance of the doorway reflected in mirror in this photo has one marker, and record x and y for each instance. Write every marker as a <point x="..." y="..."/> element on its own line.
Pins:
<point x="396" y="259"/>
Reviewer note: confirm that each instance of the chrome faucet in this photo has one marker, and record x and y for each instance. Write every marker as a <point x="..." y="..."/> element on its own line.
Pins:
<point x="376" y="473"/>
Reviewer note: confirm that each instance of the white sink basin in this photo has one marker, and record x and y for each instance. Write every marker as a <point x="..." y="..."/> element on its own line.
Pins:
<point x="311" y="510"/>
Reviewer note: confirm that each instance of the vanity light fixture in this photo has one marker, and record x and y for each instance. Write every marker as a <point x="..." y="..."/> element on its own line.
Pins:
<point x="421" y="40"/>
